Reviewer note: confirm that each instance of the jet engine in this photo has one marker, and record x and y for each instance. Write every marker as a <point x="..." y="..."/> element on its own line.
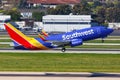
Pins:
<point x="76" y="42"/>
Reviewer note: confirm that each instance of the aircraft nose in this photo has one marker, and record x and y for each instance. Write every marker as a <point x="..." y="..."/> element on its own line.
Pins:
<point x="109" y="30"/>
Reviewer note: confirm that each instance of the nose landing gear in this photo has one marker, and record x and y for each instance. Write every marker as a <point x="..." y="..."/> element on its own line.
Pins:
<point x="63" y="49"/>
<point x="103" y="40"/>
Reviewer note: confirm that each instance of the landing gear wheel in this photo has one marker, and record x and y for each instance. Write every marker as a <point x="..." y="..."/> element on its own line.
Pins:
<point x="102" y="40"/>
<point x="63" y="49"/>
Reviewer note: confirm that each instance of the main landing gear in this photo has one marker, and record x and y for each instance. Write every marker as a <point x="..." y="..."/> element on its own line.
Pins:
<point x="103" y="40"/>
<point x="63" y="49"/>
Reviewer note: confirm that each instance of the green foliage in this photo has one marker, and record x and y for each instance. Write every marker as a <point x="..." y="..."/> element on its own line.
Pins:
<point x="82" y="8"/>
<point x="101" y="13"/>
<point x="22" y="3"/>
<point x="15" y="14"/>
<point x="97" y="3"/>
<point x="1" y="11"/>
<point x="60" y="9"/>
<point x="38" y="16"/>
<point x="113" y="14"/>
<point x="109" y="4"/>
<point x="51" y="11"/>
<point x="63" y="9"/>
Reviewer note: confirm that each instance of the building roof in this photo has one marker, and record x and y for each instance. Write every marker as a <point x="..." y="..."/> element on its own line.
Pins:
<point x="54" y="1"/>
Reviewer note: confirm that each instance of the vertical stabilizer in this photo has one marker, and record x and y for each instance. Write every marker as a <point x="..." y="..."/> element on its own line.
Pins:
<point x="17" y="36"/>
<point x="44" y="33"/>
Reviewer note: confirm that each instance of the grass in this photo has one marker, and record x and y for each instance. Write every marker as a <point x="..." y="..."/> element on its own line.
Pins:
<point x="46" y="62"/>
<point x="82" y="46"/>
<point x="5" y="46"/>
<point x="5" y="40"/>
<point x="91" y="41"/>
<point x="113" y="37"/>
<point x="105" y="41"/>
<point x="100" y="46"/>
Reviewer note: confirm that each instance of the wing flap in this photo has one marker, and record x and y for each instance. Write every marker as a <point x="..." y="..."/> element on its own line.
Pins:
<point x="59" y="43"/>
<point x="72" y="43"/>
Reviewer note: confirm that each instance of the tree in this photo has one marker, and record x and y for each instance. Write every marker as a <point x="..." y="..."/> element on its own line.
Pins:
<point x="51" y="11"/>
<point x="0" y="2"/>
<point x="22" y="4"/>
<point x="15" y="14"/>
<point x="60" y="9"/>
<point x="117" y="4"/>
<point x="63" y="9"/>
<point x="38" y="16"/>
<point x="97" y="3"/>
<point x="82" y="8"/>
<point x="109" y="15"/>
<point x="101" y="13"/>
<point x="113" y="14"/>
<point x="109" y="4"/>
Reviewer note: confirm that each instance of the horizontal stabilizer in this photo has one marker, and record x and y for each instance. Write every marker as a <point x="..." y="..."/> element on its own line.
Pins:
<point x="16" y="44"/>
<point x="42" y="37"/>
<point x="44" y="33"/>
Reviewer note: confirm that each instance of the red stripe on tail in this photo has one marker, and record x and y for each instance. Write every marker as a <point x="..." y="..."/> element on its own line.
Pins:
<point x="18" y="38"/>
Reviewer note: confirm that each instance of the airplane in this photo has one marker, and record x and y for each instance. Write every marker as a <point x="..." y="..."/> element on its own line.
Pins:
<point x="45" y="41"/>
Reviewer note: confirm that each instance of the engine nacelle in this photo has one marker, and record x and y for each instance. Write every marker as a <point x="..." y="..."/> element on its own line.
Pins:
<point x="76" y="42"/>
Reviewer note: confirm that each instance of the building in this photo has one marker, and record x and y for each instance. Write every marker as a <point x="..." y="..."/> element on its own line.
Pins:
<point x="26" y="14"/>
<point x="66" y="23"/>
<point x="114" y="25"/>
<point x="51" y="3"/>
<point x="8" y="4"/>
<point x="4" y="19"/>
<point x="21" y="24"/>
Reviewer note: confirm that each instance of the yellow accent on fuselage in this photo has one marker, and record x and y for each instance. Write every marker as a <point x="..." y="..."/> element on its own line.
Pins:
<point x="37" y="44"/>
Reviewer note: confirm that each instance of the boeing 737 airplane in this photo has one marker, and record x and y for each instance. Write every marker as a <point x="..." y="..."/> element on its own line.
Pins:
<point x="45" y="41"/>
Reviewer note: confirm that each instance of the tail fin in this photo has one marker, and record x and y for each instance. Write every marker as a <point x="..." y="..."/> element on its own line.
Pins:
<point x="44" y="33"/>
<point x="17" y="36"/>
<point x="42" y="37"/>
